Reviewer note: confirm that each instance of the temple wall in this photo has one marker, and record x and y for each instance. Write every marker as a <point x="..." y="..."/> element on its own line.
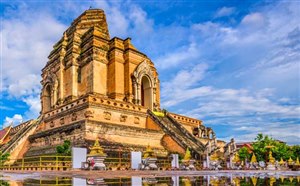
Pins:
<point x="84" y="85"/>
<point x="123" y="134"/>
<point x="171" y="145"/>
<point x="150" y="124"/>
<point x="96" y="108"/>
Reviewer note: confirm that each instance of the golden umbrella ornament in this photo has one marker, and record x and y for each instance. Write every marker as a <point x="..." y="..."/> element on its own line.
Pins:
<point x="290" y="161"/>
<point x="253" y="159"/>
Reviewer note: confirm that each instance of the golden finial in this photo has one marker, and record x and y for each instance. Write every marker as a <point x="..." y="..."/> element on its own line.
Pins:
<point x="253" y="158"/>
<point x="290" y="161"/>
<point x="297" y="161"/>
<point x="236" y="181"/>
<point x="149" y="152"/>
<point x="254" y="180"/>
<point x="236" y="158"/>
<point x="291" y="179"/>
<point x="96" y="149"/>
<point x="272" y="181"/>
<point x="281" y="162"/>
<point x="187" y="182"/>
<point x="271" y="158"/>
<point x="187" y="155"/>
<point x="282" y="179"/>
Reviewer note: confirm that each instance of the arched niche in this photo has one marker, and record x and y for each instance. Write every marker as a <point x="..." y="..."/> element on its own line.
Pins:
<point x="47" y="98"/>
<point x="146" y="93"/>
<point x="144" y="85"/>
<point x="49" y="92"/>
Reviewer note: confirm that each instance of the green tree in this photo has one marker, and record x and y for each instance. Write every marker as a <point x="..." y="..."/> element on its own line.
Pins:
<point x="244" y="154"/>
<point x="3" y="157"/>
<point x="295" y="151"/>
<point x="279" y="149"/>
<point x="259" y="146"/>
<point x="64" y="149"/>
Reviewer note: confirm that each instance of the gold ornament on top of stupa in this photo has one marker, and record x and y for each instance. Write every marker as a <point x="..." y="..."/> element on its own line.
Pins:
<point x="272" y="180"/>
<point x="297" y="161"/>
<point x="96" y="149"/>
<point x="236" y="181"/>
<point x="148" y="153"/>
<point x="271" y="158"/>
<point x="282" y="179"/>
<point x="186" y="182"/>
<point x="236" y="158"/>
<point x="281" y="162"/>
<point x="254" y="180"/>
<point x="290" y="161"/>
<point x="253" y="159"/>
<point x="187" y="155"/>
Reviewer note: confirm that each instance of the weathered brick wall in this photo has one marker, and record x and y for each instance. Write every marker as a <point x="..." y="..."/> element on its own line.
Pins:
<point x="171" y="145"/>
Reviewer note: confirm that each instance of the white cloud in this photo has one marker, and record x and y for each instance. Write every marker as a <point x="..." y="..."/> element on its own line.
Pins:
<point x="182" y="56"/>
<point x="254" y="20"/>
<point x="34" y="104"/>
<point x="27" y="38"/>
<point x="224" y="12"/>
<point x="15" y="120"/>
<point x="25" y="48"/>
<point x="27" y="85"/>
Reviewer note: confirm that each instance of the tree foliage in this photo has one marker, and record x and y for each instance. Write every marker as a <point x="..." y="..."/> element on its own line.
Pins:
<point x="4" y="157"/>
<point x="64" y="149"/>
<point x="279" y="149"/>
<point x="244" y="154"/>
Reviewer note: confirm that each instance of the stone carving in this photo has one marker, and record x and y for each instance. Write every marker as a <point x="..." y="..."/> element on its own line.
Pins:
<point x="62" y="121"/>
<point x="107" y="115"/>
<point x="74" y="116"/>
<point x="136" y="120"/>
<point x="89" y="114"/>
<point x="123" y="118"/>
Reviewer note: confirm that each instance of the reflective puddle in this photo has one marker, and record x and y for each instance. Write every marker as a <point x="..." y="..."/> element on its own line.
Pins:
<point x="203" y="180"/>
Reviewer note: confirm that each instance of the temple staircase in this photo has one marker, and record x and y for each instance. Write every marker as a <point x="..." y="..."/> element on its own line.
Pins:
<point x="178" y="133"/>
<point x="16" y="143"/>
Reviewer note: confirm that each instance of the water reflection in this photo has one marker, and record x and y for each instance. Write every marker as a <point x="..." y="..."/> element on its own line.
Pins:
<point x="208" y="180"/>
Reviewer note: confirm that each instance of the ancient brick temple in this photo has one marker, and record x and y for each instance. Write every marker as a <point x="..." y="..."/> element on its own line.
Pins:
<point x="94" y="86"/>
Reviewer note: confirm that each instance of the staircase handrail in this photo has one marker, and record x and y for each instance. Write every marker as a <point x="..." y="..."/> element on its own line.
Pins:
<point x="166" y="129"/>
<point x="18" y="137"/>
<point x="177" y="137"/>
<point x="180" y="127"/>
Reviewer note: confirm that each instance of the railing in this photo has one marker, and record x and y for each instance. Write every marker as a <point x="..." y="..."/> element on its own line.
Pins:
<point x="20" y="134"/>
<point x="49" y="182"/>
<point x="164" y="164"/>
<point x="178" y="132"/>
<point x="39" y="163"/>
<point x="166" y="129"/>
<point x="6" y="146"/>
<point x="187" y="133"/>
<point x="58" y="163"/>
<point x="119" y="163"/>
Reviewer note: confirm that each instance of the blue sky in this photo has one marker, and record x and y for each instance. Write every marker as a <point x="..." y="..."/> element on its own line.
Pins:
<point x="233" y="64"/>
